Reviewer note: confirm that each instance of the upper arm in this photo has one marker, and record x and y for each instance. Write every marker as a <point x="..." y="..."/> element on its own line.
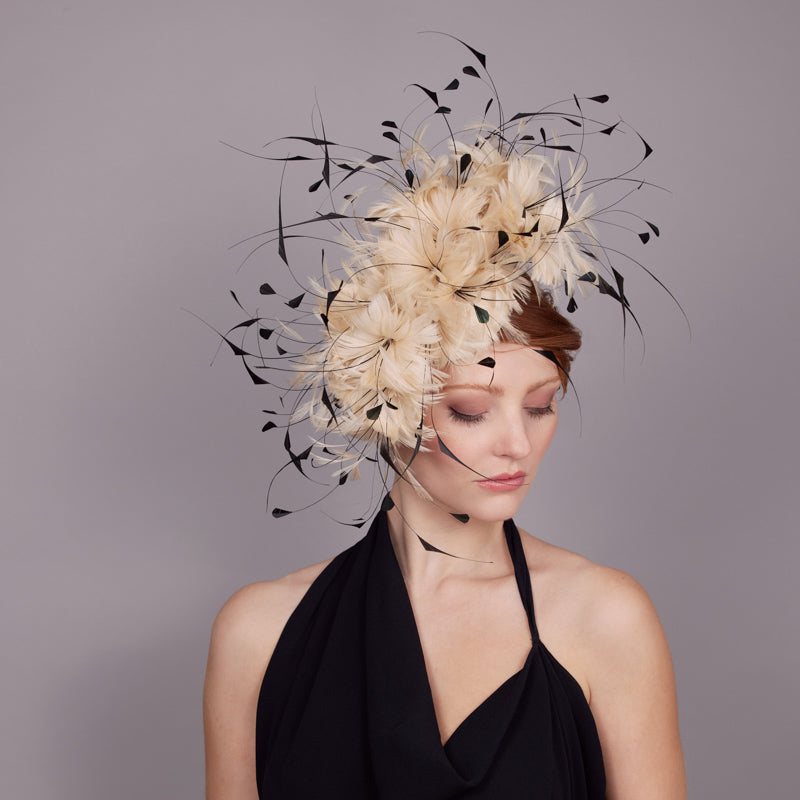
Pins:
<point x="632" y="695"/>
<point x="243" y="637"/>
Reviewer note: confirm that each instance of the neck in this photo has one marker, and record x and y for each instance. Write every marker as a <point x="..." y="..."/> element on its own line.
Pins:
<point x="469" y="548"/>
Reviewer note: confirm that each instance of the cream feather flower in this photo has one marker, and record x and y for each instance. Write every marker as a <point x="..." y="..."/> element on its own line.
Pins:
<point x="435" y="269"/>
<point x="436" y="274"/>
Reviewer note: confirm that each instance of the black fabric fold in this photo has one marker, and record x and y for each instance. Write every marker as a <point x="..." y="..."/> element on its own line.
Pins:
<point x="345" y="708"/>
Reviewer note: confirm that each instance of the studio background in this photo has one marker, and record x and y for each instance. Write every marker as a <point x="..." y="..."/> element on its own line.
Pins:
<point x="134" y="473"/>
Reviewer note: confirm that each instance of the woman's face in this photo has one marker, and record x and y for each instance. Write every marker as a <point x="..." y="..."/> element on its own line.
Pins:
<point x="499" y="423"/>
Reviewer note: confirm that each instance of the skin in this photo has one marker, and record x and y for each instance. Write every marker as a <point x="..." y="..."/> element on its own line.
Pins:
<point x="598" y="622"/>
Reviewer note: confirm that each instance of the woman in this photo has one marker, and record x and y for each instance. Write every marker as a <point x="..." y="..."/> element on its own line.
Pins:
<point x="447" y="654"/>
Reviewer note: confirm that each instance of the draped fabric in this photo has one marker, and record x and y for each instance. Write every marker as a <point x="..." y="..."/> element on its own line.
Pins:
<point x="346" y="711"/>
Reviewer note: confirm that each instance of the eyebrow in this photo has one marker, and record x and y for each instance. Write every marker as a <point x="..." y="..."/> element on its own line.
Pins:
<point x="492" y="389"/>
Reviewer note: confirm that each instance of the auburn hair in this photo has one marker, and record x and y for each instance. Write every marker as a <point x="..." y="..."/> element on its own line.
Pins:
<point x="544" y="328"/>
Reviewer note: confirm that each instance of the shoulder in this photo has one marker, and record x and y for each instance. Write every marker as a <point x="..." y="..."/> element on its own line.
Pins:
<point x="600" y="617"/>
<point x="249" y="624"/>
<point x="243" y="638"/>
<point x="601" y="625"/>
<point x="244" y="635"/>
<point x="609" y="600"/>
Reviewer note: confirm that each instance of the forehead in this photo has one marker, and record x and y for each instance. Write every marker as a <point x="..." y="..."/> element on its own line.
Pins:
<point x="515" y="367"/>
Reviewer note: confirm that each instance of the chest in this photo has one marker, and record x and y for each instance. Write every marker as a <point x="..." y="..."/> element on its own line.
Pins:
<point x="472" y="642"/>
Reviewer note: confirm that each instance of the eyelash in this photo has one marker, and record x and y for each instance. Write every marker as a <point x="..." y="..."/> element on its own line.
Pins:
<point x="474" y="419"/>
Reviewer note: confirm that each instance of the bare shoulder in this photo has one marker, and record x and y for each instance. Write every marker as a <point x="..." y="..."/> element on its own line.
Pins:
<point x="600" y="624"/>
<point x="248" y="626"/>
<point x="243" y="638"/>
<point x="596" y="620"/>
<point x="246" y="630"/>
<point x="606" y="603"/>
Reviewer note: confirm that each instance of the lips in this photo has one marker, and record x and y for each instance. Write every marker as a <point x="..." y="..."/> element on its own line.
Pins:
<point x="506" y="481"/>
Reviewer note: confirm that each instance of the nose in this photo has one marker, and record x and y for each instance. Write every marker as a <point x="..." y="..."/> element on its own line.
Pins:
<point x="513" y="441"/>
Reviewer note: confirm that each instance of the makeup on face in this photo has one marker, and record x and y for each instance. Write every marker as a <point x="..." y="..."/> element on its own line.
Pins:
<point x="492" y="426"/>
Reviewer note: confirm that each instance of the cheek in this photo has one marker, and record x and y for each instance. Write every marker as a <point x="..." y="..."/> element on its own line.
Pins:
<point x="467" y="442"/>
<point x="433" y="470"/>
<point x="543" y="437"/>
<point x="459" y="446"/>
<point x="468" y="448"/>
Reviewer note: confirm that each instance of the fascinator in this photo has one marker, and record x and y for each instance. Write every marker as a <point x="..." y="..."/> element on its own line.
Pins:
<point x="427" y="250"/>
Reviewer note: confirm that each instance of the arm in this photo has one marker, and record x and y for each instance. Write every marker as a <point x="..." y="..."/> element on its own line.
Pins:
<point x="242" y="640"/>
<point x="632" y="695"/>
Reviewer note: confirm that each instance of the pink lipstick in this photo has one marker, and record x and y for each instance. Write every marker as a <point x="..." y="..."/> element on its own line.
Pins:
<point x="505" y="482"/>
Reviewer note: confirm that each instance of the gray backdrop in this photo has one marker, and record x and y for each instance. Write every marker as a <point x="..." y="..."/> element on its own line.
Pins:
<point x="134" y="473"/>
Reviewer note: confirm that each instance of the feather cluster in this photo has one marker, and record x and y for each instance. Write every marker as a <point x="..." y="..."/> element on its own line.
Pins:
<point x="435" y="269"/>
<point x="438" y="268"/>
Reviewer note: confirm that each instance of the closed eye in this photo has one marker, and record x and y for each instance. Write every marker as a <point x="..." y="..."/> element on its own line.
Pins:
<point x="466" y="419"/>
<point x="473" y="419"/>
<point x="537" y="411"/>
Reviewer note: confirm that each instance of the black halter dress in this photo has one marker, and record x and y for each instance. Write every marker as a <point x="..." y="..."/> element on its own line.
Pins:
<point x="346" y="711"/>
